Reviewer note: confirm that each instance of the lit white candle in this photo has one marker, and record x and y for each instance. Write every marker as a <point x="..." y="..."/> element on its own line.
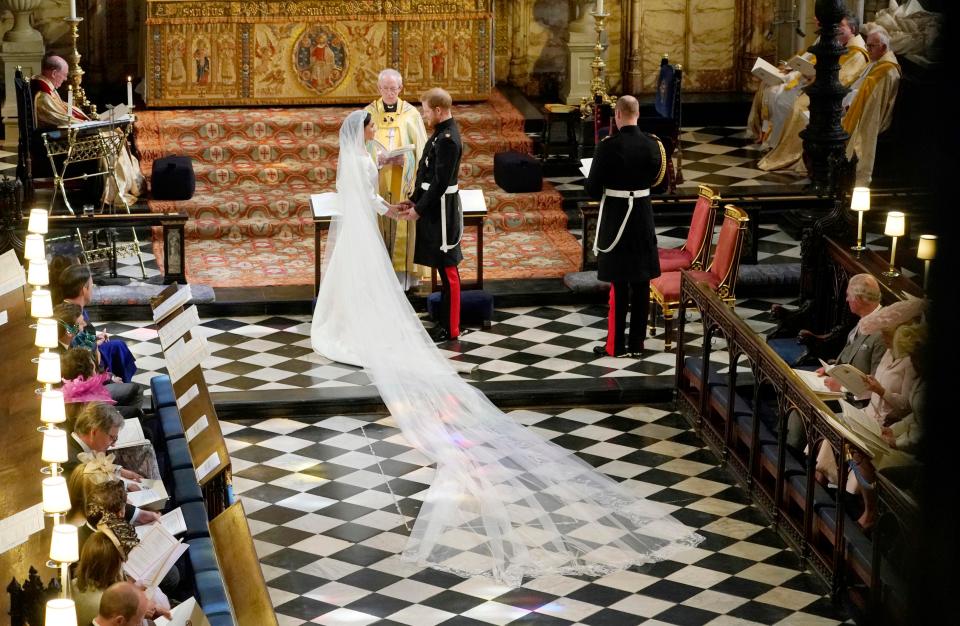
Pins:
<point x="73" y="9"/>
<point x="599" y="7"/>
<point x="129" y="92"/>
<point x="70" y="101"/>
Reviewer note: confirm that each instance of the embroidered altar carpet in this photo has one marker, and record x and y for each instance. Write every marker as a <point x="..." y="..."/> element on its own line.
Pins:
<point x="250" y="221"/>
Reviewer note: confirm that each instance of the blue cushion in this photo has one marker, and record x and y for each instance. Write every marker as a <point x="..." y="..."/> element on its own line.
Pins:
<point x="161" y="392"/>
<point x="475" y="304"/>
<point x="745" y="424"/>
<point x="858" y="545"/>
<point x="694" y="365"/>
<point x="179" y="454"/>
<point x="211" y="593"/>
<point x="790" y="464"/>
<point x="220" y="619"/>
<point x="185" y="487"/>
<point x="202" y="557"/>
<point x="195" y="517"/>
<point x="170" y="422"/>
<point x="788" y="349"/>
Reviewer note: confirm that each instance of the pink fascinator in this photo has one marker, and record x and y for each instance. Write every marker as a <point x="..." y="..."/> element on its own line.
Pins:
<point x="88" y="390"/>
<point x="896" y="314"/>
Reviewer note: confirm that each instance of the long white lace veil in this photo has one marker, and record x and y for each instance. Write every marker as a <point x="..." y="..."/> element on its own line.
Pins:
<point x="504" y="502"/>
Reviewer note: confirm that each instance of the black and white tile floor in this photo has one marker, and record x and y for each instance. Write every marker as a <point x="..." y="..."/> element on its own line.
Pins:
<point x="328" y="532"/>
<point x="719" y="156"/>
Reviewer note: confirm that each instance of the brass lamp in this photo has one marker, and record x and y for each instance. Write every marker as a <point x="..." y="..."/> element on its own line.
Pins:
<point x="860" y="203"/>
<point x="896" y="227"/>
<point x="927" y="251"/>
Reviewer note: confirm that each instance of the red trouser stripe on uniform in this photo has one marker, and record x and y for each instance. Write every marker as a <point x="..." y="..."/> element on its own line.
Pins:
<point x="453" y="279"/>
<point x="612" y="323"/>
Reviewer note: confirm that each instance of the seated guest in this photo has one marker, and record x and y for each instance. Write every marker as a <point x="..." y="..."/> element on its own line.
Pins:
<point x="101" y="499"/>
<point x="76" y="286"/>
<point x="891" y="387"/>
<point x="82" y="383"/>
<point x="55" y="267"/>
<point x="781" y="112"/>
<point x="50" y="111"/>
<point x="869" y="105"/>
<point x="97" y="427"/>
<point x="122" y="604"/>
<point x="95" y="473"/>
<point x="101" y="566"/>
<point x="905" y="434"/>
<point x="862" y="350"/>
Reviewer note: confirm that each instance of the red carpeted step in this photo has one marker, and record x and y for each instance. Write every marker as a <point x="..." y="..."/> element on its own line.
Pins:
<point x="256" y="168"/>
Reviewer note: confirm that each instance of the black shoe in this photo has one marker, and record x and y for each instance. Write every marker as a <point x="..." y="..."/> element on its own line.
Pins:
<point x="602" y="351"/>
<point x="439" y="334"/>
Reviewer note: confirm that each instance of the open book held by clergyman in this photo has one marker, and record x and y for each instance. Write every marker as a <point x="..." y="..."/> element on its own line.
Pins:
<point x="384" y="153"/>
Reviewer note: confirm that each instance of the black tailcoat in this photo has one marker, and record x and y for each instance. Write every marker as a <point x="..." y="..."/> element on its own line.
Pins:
<point x="627" y="161"/>
<point x="438" y="166"/>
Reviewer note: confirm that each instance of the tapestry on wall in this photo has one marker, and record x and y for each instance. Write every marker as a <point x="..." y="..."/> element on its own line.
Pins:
<point x="213" y="53"/>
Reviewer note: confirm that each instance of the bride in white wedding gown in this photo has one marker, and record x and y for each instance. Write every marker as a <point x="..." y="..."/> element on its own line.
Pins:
<point x="504" y="502"/>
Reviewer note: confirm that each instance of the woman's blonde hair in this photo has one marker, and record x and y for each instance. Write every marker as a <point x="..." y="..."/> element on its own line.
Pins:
<point x="908" y="339"/>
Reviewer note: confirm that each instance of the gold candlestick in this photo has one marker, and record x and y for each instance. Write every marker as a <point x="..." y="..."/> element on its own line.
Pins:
<point x="598" y="85"/>
<point x="76" y="72"/>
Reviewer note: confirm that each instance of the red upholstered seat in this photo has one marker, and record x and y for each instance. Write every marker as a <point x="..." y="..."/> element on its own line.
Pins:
<point x="721" y="276"/>
<point x="669" y="284"/>
<point x="696" y="249"/>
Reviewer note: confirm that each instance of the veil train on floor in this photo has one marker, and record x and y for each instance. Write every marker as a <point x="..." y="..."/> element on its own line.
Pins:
<point x="504" y="502"/>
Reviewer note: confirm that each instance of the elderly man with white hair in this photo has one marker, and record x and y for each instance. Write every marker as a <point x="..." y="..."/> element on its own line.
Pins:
<point x="868" y="108"/>
<point x="398" y="124"/>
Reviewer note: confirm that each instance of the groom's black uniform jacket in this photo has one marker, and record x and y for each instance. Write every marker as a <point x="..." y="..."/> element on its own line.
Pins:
<point x="438" y="167"/>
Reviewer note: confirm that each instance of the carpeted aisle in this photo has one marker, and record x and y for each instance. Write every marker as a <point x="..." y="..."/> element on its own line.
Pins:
<point x="256" y="168"/>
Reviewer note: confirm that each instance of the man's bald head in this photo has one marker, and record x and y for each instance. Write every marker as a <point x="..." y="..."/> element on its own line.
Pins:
<point x="627" y="111"/>
<point x="54" y="69"/>
<point x="122" y="604"/>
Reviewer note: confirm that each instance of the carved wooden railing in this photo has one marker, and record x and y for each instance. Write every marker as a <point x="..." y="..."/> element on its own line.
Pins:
<point x="743" y="416"/>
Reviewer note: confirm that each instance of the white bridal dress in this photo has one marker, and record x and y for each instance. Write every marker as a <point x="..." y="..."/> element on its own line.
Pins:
<point x="504" y="502"/>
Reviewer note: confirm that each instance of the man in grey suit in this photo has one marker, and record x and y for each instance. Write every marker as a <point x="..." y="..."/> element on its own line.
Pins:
<point x="861" y="350"/>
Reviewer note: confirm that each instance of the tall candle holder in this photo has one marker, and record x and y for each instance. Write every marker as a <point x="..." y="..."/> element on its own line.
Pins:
<point x="598" y="85"/>
<point x="76" y="72"/>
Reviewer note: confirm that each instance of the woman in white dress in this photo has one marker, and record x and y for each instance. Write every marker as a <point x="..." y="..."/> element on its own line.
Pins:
<point x="504" y="502"/>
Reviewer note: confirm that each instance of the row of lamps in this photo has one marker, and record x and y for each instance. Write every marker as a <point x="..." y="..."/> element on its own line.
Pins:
<point x="895" y="227"/>
<point x="64" y="544"/>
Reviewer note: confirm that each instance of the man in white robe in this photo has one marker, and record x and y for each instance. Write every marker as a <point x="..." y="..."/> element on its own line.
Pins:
<point x="868" y="108"/>
<point x="399" y="124"/>
<point x="789" y="111"/>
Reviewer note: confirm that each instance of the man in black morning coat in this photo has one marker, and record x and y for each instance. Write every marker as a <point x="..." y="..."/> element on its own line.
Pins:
<point x="435" y="187"/>
<point x="625" y="167"/>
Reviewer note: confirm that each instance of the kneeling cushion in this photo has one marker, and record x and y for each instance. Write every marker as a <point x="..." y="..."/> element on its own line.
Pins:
<point x="476" y="306"/>
<point x="517" y="172"/>
<point x="172" y="178"/>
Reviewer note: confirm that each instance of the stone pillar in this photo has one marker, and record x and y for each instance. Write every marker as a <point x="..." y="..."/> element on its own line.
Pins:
<point x="22" y="45"/>
<point x="518" y="49"/>
<point x="634" y="73"/>
<point x="581" y="50"/>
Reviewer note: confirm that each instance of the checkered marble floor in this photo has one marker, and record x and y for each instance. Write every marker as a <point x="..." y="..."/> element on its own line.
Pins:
<point x="263" y="353"/>
<point x="719" y="156"/>
<point x="328" y="531"/>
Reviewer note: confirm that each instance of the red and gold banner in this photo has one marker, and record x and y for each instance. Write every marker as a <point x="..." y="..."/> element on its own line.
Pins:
<point x="216" y="53"/>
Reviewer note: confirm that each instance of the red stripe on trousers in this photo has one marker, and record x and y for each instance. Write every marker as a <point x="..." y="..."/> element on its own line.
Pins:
<point x="612" y="323"/>
<point x="453" y="278"/>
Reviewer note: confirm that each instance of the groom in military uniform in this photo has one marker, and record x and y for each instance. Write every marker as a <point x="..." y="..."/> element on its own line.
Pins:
<point x="625" y="167"/>
<point x="436" y="206"/>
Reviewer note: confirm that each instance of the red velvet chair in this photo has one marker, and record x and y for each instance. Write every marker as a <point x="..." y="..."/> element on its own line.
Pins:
<point x="721" y="276"/>
<point x="695" y="252"/>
